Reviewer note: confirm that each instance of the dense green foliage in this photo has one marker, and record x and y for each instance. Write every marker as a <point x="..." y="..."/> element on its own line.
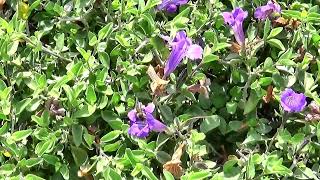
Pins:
<point x="71" y="70"/>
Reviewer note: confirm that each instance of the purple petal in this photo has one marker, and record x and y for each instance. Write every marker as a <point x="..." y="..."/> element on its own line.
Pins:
<point x="172" y="8"/>
<point x="180" y="45"/>
<point x="163" y="5"/>
<point x="275" y="6"/>
<point x="180" y="2"/>
<point x="239" y="15"/>
<point x="238" y="33"/>
<point x="263" y="12"/>
<point x="149" y="108"/>
<point x="228" y="18"/>
<point x="140" y="130"/>
<point x="154" y="124"/>
<point x="194" y="52"/>
<point x="171" y="5"/>
<point x="292" y="102"/>
<point x="132" y="115"/>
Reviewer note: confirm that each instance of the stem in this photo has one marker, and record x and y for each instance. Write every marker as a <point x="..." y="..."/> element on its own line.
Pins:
<point x="302" y="145"/>
<point x="284" y="119"/>
<point x="143" y="44"/>
<point x="46" y="50"/>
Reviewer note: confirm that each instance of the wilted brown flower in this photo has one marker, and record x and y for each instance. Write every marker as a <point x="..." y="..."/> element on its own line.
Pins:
<point x="54" y="108"/>
<point x="157" y="84"/>
<point x="313" y="114"/>
<point x="289" y="24"/>
<point x="174" y="166"/>
<point x="235" y="47"/>
<point x="269" y="96"/>
<point x="202" y="87"/>
<point x="2" y="3"/>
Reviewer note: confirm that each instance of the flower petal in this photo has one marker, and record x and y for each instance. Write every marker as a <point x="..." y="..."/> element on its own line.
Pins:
<point x="149" y="108"/>
<point x="238" y="33"/>
<point x="292" y="102"/>
<point x="228" y="18"/>
<point x="139" y="130"/>
<point x="180" y="45"/>
<point x="239" y="14"/>
<point x="172" y="8"/>
<point x="194" y="52"/>
<point x="154" y="124"/>
<point x="132" y="115"/>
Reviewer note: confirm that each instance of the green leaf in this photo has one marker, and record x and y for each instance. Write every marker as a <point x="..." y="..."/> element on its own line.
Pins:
<point x="235" y="125"/>
<point x="33" y="177"/>
<point x="150" y="4"/>
<point x="168" y="175"/>
<point x="13" y="47"/>
<point x="122" y="41"/>
<point x="91" y="95"/>
<point x="231" y="107"/>
<point x="19" y="135"/>
<point x="291" y="14"/>
<point x="166" y="113"/>
<point x="33" y="161"/>
<point x="112" y="147"/>
<point x="112" y="119"/>
<point x="209" y="58"/>
<point x="104" y="59"/>
<point x="77" y="132"/>
<point x="276" y="43"/>
<point x="148" y="173"/>
<point x="7" y="169"/>
<point x="44" y="147"/>
<point x="59" y="41"/>
<point x="210" y="123"/>
<point x="111" y="136"/>
<point x="41" y="121"/>
<point x="50" y="159"/>
<point x="85" y="111"/>
<point x="64" y="171"/>
<point x="105" y="31"/>
<point x="251" y="104"/>
<point x="199" y="175"/>
<point x="92" y="39"/>
<point x="80" y="156"/>
<point x="275" y="32"/>
<point x="4" y="128"/>
<point x="266" y="29"/>
<point x="20" y="106"/>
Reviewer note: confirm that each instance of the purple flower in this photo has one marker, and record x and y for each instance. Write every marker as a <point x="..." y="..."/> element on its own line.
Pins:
<point x="235" y="20"/>
<point x="263" y="12"/>
<point x="292" y="101"/>
<point x="142" y="121"/>
<point x="181" y="47"/>
<point x="171" y="5"/>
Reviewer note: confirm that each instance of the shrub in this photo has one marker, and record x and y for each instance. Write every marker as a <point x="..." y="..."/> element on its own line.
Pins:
<point x="151" y="89"/>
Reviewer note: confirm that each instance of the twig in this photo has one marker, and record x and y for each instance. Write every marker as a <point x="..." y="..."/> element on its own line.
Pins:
<point x="143" y="44"/>
<point x="302" y="145"/>
<point x="46" y="50"/>
<point x="284" y="119"/>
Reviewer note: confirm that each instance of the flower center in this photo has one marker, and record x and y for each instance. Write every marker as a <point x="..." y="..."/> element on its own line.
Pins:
<point x="291" y="101"/>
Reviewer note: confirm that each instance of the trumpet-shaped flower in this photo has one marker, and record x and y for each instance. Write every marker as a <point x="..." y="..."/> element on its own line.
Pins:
<point x="263" y="12"/>
<point x="142" y="121"/>
<point x="181" y="47"/>
<point x="235" y="20"/>
<point x="171" y="6"/>
<point x="292" y="101"/>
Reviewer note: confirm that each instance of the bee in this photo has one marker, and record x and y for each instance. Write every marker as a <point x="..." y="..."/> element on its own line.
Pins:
<point x="140" y="114"/>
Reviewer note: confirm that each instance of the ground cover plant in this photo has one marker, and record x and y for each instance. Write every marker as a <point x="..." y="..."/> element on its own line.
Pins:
<point x="159" y="89"/>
